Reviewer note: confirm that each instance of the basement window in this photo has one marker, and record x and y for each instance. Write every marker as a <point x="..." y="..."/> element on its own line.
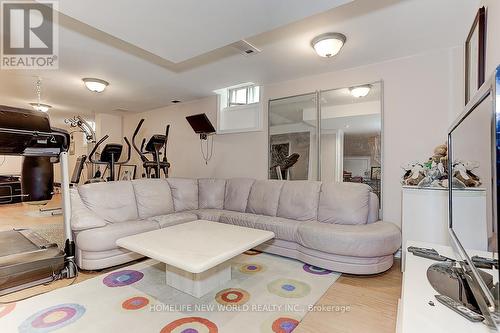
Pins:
<point x="244" y="95"/>
<point x="239" y="108"/>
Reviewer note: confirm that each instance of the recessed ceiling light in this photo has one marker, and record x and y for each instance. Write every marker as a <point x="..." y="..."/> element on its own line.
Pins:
<point x="175" y="101"/>
<point x="40" y="107"/>
<point x="329" y="44"/>
<point x="95" y="85"/>
<point x="360" y="91"/>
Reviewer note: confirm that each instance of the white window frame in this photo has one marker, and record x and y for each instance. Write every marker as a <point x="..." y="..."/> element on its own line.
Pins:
<point x="224" y="105"/>
<point x="249" y="90"/>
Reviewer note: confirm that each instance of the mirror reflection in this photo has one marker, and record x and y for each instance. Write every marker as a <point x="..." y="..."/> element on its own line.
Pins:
<point x="293" y="138"/>
<point x="351" y="128"/>
<point x="349" y="147"/>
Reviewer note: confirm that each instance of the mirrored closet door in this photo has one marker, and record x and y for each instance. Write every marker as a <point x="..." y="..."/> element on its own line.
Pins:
<point x="351" y="135"/>
<point x="293" y="141"/>
<point x="338" y="139"/>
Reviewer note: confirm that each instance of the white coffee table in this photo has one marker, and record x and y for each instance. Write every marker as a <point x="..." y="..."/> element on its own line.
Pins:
<point x="196" y="253"/>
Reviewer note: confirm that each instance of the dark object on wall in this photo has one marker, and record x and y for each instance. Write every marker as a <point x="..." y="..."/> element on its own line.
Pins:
<point x="475" y="55"/>
<point x="10" y="190"/>
<point x="37" y="178"/>
<point x="201" y="125"/>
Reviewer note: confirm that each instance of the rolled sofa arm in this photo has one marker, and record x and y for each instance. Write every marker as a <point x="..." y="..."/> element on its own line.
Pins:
<point x="83" y="218"/>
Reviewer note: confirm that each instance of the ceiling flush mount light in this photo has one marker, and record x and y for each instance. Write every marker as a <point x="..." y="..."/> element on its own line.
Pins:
<point x="329" y="44"/>
<point x="40" y="107"/>
<point x="95" y="85"/>
<point x="360" y="91"/>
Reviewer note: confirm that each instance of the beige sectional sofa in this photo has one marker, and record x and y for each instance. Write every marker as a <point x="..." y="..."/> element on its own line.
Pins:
<point x="330" y="225"/>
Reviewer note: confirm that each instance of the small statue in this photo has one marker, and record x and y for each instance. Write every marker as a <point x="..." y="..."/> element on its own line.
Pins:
<point x="462" y="171"/>
<point x="414" y="174"/>
<point x="434" y="172"/>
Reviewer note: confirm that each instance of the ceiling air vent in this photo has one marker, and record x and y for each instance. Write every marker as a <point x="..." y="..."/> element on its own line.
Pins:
<point x="245" y="48"/>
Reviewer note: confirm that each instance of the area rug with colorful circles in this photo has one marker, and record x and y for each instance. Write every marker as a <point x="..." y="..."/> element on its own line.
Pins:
<point x="267" y="293"/>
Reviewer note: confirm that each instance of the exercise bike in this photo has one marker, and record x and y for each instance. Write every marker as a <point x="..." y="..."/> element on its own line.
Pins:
<point x="154" y="166"/>
<point x="110" y="155"/>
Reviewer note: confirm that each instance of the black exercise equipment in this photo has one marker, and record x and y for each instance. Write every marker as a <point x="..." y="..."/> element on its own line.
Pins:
<point x="10" y="190"/>
<point x="282" y="167"/>
<point x="156" y="143"/>
<point x="26" y="258"/>
<point x="37" y="178"/>
<point x="77" y="171"/>
<point x="110" y="155"/>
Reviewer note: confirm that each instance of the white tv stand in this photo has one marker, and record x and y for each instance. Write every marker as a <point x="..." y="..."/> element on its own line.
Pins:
<point x="415" y="315"/>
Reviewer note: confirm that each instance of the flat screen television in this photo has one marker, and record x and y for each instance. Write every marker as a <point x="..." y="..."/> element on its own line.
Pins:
<point x="474" y="150"/>
<point x="200" y="124"/>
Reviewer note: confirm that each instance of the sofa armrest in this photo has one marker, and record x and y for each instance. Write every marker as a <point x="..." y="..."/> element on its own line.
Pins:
<point x="373" y="208"/>
<point x="83" y="218"/>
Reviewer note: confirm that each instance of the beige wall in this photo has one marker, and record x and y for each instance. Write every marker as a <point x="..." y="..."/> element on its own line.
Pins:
<point x="493" y="34"/>
<point x="184" y="145"/>
<point x="417" y="104"/>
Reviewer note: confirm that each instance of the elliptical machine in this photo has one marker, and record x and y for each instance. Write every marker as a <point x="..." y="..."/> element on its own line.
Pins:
<point x="153" y="167"/>
<point x="110" y="155"/>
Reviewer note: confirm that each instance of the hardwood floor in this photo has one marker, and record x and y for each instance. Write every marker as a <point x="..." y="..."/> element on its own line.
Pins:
<point x="351" y="304"/>
<point x="370" y="302"/>
<point x="23" y="214"/>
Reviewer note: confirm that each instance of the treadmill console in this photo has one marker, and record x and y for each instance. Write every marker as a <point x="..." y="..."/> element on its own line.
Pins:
<point x="28" y="133"/>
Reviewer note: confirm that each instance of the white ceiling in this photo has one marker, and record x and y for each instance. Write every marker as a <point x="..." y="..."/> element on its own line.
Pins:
<point x="180" y="30"/>
<point x="142" y="79"/>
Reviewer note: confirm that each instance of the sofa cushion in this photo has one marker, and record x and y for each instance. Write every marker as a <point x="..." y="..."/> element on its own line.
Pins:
<point x="299" y="200"/>
<point x="285" y="229"/>
<point x="81" y="217"/>
<point x="264" y="197"/>
<point x="237" y="191"/>
<point x="344" y="203"/>
<point x="153" y="197"/>
<point x="184" y="193"/>
<point x="209" y="214"/>
<point x="172" y="219"/>
<point x="366" y="240"/>
<point x="237" y="218"/>
<point x="211" y="193"/>
<point x="112" y="201"/>
<point x="104" y="238"/>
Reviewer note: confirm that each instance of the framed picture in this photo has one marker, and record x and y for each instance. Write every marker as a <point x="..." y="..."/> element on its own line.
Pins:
<point x="375" y="173"/>
<point x="475" y="55"/>
<point x="127" y="172"/>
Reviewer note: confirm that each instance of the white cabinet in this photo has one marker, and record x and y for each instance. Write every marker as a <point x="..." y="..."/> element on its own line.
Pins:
<point x="425" y="217"/>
